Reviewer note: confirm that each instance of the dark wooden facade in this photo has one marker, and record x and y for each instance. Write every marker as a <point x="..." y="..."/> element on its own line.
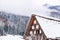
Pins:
<point x="34" y="30"/>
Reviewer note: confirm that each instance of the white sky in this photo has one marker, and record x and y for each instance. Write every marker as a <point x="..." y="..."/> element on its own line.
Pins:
<point x="26" y="7"/>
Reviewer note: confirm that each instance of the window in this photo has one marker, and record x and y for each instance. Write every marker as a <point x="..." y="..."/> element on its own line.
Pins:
<point x="37" y="26"/>
<point x="40" y="31"/>
<point x="32" y="27"/>
<point x="34" y="32"/>
<point x="31" y="32"/>
<point x="34" y="21"/>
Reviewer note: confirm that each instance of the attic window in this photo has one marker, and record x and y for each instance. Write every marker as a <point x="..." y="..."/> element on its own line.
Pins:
<point x="37" y="26"/>
<point x="32" y="27"/>
<point x="34" y="32"/>
<point x="34" y="21"/>
<point x="40" y="31"/>
<point x="31" y="32"/>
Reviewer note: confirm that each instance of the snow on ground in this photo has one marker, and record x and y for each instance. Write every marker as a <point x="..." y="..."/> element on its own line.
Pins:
<point x="11" y="37"/>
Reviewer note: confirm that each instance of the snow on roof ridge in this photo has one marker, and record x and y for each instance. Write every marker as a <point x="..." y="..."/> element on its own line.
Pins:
<point x="49" y="17"/>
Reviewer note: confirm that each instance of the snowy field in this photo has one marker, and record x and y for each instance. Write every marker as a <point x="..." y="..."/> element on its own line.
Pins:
<point x="11" y="37"/>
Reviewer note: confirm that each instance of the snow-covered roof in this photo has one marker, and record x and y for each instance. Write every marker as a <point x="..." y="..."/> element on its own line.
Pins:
<point x="51" y="28"/>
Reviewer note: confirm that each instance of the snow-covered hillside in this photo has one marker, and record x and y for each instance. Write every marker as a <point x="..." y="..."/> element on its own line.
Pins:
<point x="14" y="24"/>
<point x="54" y="10"/>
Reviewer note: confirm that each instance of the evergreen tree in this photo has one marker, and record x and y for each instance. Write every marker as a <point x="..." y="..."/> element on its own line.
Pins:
<point x="6" y="28"/>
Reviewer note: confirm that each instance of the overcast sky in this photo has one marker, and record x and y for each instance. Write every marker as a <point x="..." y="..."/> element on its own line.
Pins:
<point x="26" y="7"/>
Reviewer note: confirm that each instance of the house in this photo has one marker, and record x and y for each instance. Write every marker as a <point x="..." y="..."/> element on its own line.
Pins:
<point x="34" y="30"/>
<point x="42" y="28"/>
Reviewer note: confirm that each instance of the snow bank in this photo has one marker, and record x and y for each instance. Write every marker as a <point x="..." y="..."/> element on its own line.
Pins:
<point x="11" y="37"/>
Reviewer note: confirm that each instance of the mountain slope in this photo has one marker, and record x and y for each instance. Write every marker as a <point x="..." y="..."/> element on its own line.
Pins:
<point x="15" y="24"/>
